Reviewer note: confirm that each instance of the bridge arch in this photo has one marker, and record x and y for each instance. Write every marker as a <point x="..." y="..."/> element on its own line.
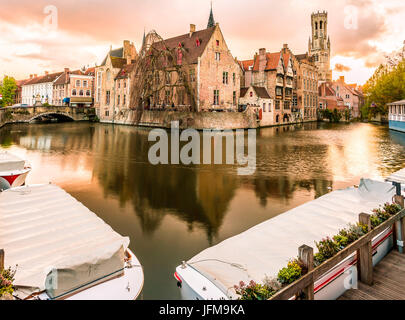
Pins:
<point x="57" y="115"/>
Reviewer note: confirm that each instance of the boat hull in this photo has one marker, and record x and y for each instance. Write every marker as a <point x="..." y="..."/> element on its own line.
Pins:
<point x="195" y="286"/>
<point x="397" y="125"/>
<point x="14" y="178"/>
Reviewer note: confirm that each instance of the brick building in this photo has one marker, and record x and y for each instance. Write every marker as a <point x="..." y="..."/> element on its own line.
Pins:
<point x="258" y="99"/>
<point x="105" y="80"/>
<point x="75" y="88"/>
<point x="352" y="97"/>
<point x="328" y="98"/>
<point x="275" y="72"/>
<point x="307" y="86"/>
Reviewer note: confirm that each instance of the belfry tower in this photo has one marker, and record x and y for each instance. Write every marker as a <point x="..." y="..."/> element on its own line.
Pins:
<point x="319" y="45"/>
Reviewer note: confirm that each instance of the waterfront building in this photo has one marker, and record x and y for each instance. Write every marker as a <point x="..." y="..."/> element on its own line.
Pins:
<point x="122" y="85"/>
<point x="275" y="72"/>
<point x="18" y="91"/>
<point x="307" y="86"/>
<point x="39" y="89"/>
<point x="353" y="98"/>
<point x="105" y="80"/>
<point x="258" y="99"/>
<point x="328" y="98"/>
<point x="74" y="88"/>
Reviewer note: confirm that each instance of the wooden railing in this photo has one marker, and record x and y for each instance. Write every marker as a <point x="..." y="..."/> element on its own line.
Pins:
<point x="304" y="286"/>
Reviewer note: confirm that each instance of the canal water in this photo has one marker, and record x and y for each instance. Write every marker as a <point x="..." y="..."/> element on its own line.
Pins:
<point x="173" y="212"/>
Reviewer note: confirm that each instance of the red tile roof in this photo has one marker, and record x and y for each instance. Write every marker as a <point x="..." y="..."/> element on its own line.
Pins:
<point x="272" y="61"/>
<point x="44" y="79"/>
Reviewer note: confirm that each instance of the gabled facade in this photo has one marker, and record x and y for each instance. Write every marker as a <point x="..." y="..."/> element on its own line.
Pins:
<point x="328" y="98"/>
<point x="104" y="86"/>
<point x="258" y="99"/>
<point x="352" y="98"/>
<point x="275" y="72"/>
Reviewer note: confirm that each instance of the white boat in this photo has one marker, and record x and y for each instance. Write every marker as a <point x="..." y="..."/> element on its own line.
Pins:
<point x="396" y="115"/>
<point x="13" y="171"/>
<point x="266" y="248"/>
<point x="63" y="250"/>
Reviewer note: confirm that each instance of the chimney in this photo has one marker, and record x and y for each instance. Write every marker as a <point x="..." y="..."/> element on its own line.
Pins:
<point x="342" y="79"/>
<point x="35" y="75"/>
<point x="31" y="76"/>
<point x="192" y="29"/>
<point x="66" y="70"/>
<point x="46" y="73"/>
<point x="262" y="59"/>
<point x="285" y="47"/>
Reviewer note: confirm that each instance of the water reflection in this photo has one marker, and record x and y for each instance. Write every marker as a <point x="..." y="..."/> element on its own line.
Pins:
<point x="173" y="212"/>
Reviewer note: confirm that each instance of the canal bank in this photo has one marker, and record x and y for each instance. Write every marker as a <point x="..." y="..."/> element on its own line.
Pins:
<point x="172" y="212"/>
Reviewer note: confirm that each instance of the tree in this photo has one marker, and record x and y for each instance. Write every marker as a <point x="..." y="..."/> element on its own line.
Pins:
<point x="7" y="90"/>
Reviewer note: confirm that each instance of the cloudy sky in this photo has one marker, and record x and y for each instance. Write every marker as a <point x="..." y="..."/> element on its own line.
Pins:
<point x="44" y="35"/>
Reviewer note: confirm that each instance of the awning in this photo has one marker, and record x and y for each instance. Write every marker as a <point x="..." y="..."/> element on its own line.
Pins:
<point x="81" y="100"/>
<point x="57" y="243"/>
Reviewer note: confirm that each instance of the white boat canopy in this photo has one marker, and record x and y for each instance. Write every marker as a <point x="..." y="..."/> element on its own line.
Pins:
<point x="58" y="244"/>
<point x="398" y="176"/>
<point x="266" y="248"/>
<point x="10" y="162"/>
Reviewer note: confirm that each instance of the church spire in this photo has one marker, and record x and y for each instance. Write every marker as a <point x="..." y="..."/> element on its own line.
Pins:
<point x="144" y="38"/>
<point x="211" y="21"/>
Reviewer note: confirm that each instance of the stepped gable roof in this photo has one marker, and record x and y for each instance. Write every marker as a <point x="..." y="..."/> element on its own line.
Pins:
<point x="190" y="44"/>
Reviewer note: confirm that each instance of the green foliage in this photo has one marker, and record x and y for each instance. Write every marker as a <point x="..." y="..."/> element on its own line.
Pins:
<point x="7" y="89"/>
<point x="291" y="273"/>
<point x="384" y="87"/>
<point x="46" y="104"/>
<point x="327" y="248"/>
<point x="254" y="291"/>
<point x="6" y="281"/>
<point x="333" y="116"/>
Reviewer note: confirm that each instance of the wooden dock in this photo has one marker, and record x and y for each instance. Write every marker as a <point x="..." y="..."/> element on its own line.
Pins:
<point x="388" y="284"/>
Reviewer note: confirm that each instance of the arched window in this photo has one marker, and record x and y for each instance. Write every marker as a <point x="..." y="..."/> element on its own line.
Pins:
<point x="81" y="93"/>
<point x="88" y="93"/>
<point x="108" y="75"/>
<point x="73" y="92"/>
<point x="320" y="25"/>
<point x="316" y="25"/>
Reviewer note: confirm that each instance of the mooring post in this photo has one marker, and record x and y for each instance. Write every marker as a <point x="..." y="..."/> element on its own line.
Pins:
<point x="306" y="255"/>
<point x="1" y="260"/>
<point x="399" y="227"/>
<point x="365" y="254"/>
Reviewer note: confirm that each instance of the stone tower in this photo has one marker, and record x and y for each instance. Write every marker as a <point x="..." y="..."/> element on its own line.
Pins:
<point x="319" y="45"/>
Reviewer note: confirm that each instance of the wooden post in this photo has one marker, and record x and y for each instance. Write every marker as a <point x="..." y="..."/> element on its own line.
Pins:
<point x="306" y="255"/>
<point x="399" y="227"/>
<point x="365" y="255"/>
<point x="1" y="260"/>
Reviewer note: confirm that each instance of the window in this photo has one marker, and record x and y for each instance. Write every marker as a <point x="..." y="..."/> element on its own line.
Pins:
<point x="167" y="97"/>
<point x="277" y="105"/>
<point x="98" y="95"/>
<point x="107" y="98"/>
<point x="234" y="98"/>
<point x="234" y="78"/>
<point x="192" y="75"/>
<point x="347" y="96"/>
<point x="108" y="75"/>
<point x="88" y="93"/>
<point x="168" y="78"/>
<point x="119" y="84"/>
<point x="99" y="79"/>
<point x="124" y="102"/>
<point x="279" y="91"/>
<point x="225" y="77"/>
<point x="269" y="107"/>
<point x="73" y="92"/>
<point x="125" y="83"/>
<point x="81" y="93"/>
<point x="85" y="83"/>
<point x="217" y="56"/>
<point x="264" y="107"/>
<point x="251" y="93"/>
<point x="180" y="97"/>
<point x="118" y="100"/>
<point x="77" y="83"/>
<point x="107" y="113"/>
<point x="216" y="97"/>
<point x="286" y="105"/>
<point x="217" y="43"/>
<point x="197" y="43"/>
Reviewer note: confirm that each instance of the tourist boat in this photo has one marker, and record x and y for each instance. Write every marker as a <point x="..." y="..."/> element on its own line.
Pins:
<point x="396" y="115"/>
<point x="13" y="171"/>
<point x="62" y="250"/>
<point x="266" y="248"/>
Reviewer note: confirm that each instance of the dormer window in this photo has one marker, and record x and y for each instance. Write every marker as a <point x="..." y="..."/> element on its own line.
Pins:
<point x="217" y="43"/>
<point x="197" y="43"/>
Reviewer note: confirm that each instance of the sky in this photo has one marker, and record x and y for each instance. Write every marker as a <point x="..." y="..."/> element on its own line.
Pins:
<point x="38" y="36"/>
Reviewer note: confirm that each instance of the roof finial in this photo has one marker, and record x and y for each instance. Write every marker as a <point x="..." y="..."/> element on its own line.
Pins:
<point x="211" y="21"/>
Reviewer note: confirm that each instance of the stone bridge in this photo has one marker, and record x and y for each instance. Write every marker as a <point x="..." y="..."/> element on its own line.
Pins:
<point x="29" y="114"/>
